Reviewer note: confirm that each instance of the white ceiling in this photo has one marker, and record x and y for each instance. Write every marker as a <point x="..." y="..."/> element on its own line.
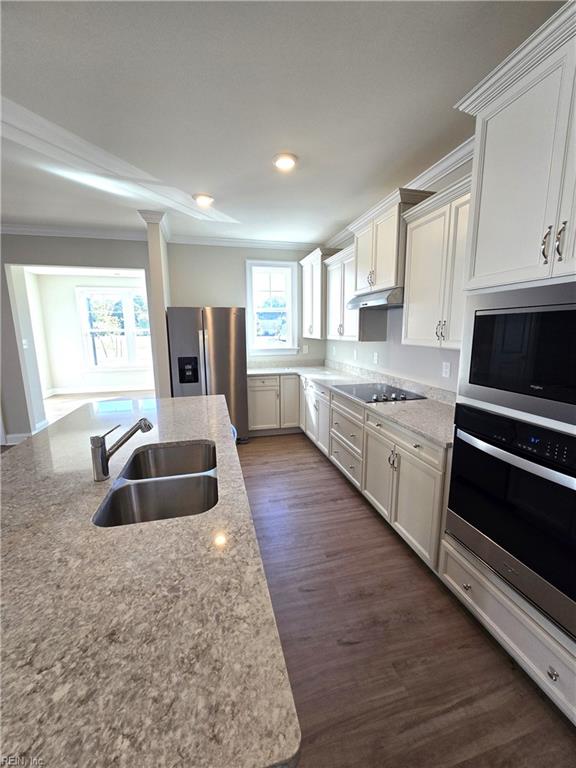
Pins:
<point x="200" y="96"/>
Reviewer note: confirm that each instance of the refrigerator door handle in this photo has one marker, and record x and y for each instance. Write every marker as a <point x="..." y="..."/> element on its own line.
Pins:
<point x="202" y="361"/>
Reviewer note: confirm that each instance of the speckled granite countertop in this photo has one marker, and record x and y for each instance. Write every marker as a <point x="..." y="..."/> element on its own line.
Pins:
<point x="139" y="645"/>
<point x="429" y="418"/>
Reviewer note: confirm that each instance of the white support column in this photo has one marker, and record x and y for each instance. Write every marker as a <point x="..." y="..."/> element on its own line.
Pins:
<point x="158" y="300"/>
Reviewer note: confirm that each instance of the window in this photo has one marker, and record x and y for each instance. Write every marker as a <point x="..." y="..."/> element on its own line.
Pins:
<point x="115" y="327"/>
<point x="271" y="314"/>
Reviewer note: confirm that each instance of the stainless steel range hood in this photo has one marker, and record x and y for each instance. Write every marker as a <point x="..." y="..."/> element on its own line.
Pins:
<point x="393" y="297"/>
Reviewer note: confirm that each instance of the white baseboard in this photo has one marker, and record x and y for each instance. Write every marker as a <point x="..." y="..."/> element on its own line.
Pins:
<point x="17" y="437"/>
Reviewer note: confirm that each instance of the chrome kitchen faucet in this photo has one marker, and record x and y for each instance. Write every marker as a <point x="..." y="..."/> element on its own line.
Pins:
<point x="101" y="455"/>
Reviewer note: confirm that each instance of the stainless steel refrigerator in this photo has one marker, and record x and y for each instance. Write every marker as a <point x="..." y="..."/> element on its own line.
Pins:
<point x="208" y="357"/>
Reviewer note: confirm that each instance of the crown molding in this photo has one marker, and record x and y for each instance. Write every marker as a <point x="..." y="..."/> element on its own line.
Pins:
<point x="232" y="242"/>
<point x="400" y="195"/>
<point x="341" y="255"/>
<point x="553" y="34"/>
<point x="455" y="159"/>
<point x="341" y="239"/>
<point x="32" y="230"/>
<point x="437" y="200"/>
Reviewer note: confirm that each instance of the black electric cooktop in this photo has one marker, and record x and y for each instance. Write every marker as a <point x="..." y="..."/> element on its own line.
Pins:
<point x="377" y="393"/>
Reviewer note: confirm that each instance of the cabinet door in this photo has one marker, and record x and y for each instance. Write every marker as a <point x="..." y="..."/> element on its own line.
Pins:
<point x="427" y="240"/>
<point x="364" y="243"/>
<point x="418" y="497"/>
<point x="311" y="415"/>
<point x="307" y="319"/>
<point x="289" y="401"/>
<point x="302" y="405"/>
<point x="334" y="301"/>
<point x="378" y="474"/>
<point x="323" y="425"/>
<point x="386" y="250"/>
<point x="264" y="408"/>
<point x="519" y="156"/>
<point x="565" y="232"/>
<point x="453" y="301"/>
<point x="349" y="316"/>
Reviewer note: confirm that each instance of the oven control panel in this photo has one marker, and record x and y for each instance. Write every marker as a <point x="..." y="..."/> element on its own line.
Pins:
<point x="546" y="447"/>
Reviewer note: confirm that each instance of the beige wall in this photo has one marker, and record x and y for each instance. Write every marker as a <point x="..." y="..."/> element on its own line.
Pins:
<point x="216" y="276"/>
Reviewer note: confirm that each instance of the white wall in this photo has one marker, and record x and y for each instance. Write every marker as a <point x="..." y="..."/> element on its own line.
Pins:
<point x="71" y="371"/>
<point x="37" y="318"/>
<point x="216" y="276"/>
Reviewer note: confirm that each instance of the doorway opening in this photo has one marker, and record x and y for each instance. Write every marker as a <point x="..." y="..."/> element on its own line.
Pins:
<point x="90" y="334"/>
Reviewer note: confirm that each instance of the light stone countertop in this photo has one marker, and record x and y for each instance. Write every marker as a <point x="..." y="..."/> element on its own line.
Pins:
<point x="428" y="418"/>
<point x="137" y="645"/>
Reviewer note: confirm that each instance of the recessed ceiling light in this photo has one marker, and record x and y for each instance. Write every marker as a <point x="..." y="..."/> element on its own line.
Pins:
<point x="285" y="161"/>
<point x="203" y="200"/>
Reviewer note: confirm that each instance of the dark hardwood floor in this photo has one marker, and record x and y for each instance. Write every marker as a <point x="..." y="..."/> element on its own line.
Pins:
<point x="388" y="669"/>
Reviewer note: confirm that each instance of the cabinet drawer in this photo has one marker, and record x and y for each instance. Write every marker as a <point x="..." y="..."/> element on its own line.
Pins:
<point x="346" y="404"/>
<point x="319" y="389"/>
<point x="349" y="463"/>
<point x="539" y="653"/>
<point x="349" y="431"/>
<point x="258" y="382"/>
<point x="415" y="444"/>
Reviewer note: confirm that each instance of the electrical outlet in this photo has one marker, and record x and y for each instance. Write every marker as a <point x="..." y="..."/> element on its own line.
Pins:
<point x="355" y="354"/>
<point x="24" y="343"/>
<point x="375" y="358"/>
<point x="334" y="350"/>
<point x="305" y="349"/>
<point x="446" y="370"/>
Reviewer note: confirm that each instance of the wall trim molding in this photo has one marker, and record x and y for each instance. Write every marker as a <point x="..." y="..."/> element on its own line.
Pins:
<point x="141" y="236"/>
<point x="553" y="34"/>
<point x="448" y="195"/>
<point x="13" y="438"/>
<point x="455" y="159"/>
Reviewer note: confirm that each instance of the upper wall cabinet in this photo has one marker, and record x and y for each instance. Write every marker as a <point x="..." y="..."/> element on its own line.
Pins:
<point x="523" y="220"/>
<point x="380" y="242"/>
<point x="313" y="290"/>
<point x="435" y="259"/>
<point x="341" y="323"/>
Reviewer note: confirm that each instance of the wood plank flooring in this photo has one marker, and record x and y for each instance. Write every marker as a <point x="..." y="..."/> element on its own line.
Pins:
<point x="388" y="669"/>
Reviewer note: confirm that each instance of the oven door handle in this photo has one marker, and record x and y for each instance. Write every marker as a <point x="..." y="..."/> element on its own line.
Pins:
<point x="518" y="461"/>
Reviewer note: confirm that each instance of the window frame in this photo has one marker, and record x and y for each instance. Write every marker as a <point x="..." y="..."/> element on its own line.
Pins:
<point x="292" y="348"/>
<point x="127" y="293"/>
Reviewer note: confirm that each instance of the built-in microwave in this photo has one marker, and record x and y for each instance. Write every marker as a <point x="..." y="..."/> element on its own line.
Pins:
<point x="519" y="351"/>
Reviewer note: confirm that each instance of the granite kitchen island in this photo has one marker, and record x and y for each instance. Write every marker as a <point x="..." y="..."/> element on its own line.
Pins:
<point x="152" y="644"/>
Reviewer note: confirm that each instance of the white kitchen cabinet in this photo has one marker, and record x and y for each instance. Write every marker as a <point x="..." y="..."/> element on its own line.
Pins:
<point x="290" y="401"/>
<point x="263" y="407"/>
<point x="313" y="293"/>
<point x="302" y="404"/>
<point x="380" y="242"/>
<point x="523" y="186"/>
<point x="417" y="504"/>
<point x="435" y="259"/>
<point x="379" y="477"/>
<point x="311" y="414"/>
<point x="323" y="412"/>
<point x="341" y="322"/>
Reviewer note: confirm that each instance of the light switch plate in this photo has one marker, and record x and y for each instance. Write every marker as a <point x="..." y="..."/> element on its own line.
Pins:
<point x="446" y="370"/>
<point x="334" y="349"/>
<point x="375" y="358"/>
<point x="305" y="349"/>
<point x="355" y="354"/>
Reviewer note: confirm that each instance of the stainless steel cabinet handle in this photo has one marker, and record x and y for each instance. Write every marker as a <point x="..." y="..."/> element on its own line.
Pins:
<point x="552" y="674"/>
<point x="352" y="435"/>
<point x="559" y="240"/>
<point x="466" y="587"/>
<point x="437" y="331"/>
<point x="416" y="445"/>
<point x="336" y="423"/>
<point x="352" y="467"/>
<point x="390" y="458"/>
<point x="378" y="424"/>
<point x="442" y="329"/>
<point x="543" y="244"/>
<point x="309" y="329"/>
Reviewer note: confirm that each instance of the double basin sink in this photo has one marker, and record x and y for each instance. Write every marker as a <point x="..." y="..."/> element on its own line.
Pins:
<point x="162" y="481"/>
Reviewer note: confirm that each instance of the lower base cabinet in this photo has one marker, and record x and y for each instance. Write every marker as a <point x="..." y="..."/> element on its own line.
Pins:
<point x="263" y="408"/>
<point x="378" y="473"/>
<point x="273" y="402"/>
<point x="323" y="425"/>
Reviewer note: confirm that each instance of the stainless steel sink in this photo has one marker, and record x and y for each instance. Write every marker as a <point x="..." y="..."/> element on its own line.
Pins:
<point x="160" y="499"/>
<point x="169" y="459"/>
